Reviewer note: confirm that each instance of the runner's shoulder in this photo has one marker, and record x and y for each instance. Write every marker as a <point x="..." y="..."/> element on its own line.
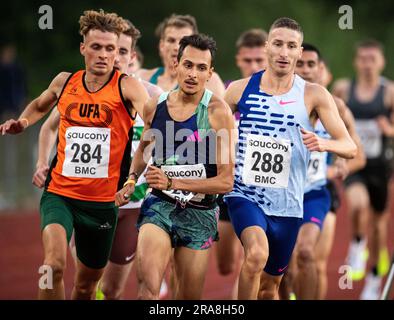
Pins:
<point x="61" y="78"/>
<point x="235" y="89"/>
<point x="217" y="102"/>
<point x="153" y="90"/>
<point x="339" y="102"/>
<point x="59" y="82"/>
<point x="146" y="74"/>
<point x="315" y="89"/>
<point x="219" y="109"/>
<point x="341" y="87"/>
<point x="389" y="86"/>
<point x="132" y="87"/>
<point x="150" y="109"/>
<point x="238" y="85"/>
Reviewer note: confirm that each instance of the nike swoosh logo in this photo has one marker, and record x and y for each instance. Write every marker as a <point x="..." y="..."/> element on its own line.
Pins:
<point x="130" y="257"/>
<point x="282" y="269"/>
<point x="282" y="103"/>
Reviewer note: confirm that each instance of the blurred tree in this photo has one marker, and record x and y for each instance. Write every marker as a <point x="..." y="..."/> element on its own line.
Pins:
<point x="47" y="52"/>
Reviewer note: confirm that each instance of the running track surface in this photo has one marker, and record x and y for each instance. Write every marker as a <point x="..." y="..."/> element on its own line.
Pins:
<point x="22" y="254"/>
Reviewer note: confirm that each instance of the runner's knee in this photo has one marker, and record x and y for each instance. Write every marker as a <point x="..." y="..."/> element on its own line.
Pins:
<point x="226" y="266"/>
<point x="255" y="258"/>
<point x="85" y="287"/>
<point x="268" y="290"/>
<point x="57" y="265"/>
<point x="305" y="256"/>
<point x="112" y="290"/>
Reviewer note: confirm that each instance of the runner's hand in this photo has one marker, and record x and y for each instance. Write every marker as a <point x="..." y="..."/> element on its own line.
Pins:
<point x="12" y="126"/>
<point x="156" y="178"/>
<point x="122" y="197"/>
<point x="339" y="170"/>
<point x="385" y="125"/>
<point x="40" y="175"/>
<point x="312" y="141"/>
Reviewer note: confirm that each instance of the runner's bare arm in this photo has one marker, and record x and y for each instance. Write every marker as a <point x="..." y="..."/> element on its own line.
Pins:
<point x="234" y="92"/>
<point x="322" y="102"/>
<point x="222" y="121"/>
<point x="46" y="141"/>
<point x="215" y="84"/>
<point x="135" y="92"/>
<point x="141" y="155"/>
<point x="387" y="124"/>
<point x="341" y="88"/>
<point x="359" y="161"/>
<point x="47" y="137"/>
<point x="38" y="108"/>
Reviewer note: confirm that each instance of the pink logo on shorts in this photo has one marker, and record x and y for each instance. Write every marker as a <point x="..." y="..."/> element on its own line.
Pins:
<point x="316" y="220"/>
<point x="207" y="244"/>
<point x="282" y="269"/>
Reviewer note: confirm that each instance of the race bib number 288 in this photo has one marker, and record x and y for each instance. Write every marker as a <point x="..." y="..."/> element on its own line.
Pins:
<point x="87" y="152"/>
<point x="267" y="162"/>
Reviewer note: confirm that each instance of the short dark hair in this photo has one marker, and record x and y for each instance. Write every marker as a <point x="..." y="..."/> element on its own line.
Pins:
<point x="311" y="47"/>
<point x="370" y="43"/>
<point x="198" y="41"/>
<point x="177" y="21"/>
<point x="287" y="23"/>
<point x="252" y="38"/>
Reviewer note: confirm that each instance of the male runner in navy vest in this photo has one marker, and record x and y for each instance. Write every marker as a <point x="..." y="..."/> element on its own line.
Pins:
<point x="189" y="169"/>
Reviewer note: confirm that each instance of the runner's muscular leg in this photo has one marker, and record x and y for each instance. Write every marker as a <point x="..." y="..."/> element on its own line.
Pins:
<point x="255" y="244"/>
<point x="153" y="255"/>
<point x="227" y="249"/>
<point x="322" y="251"/>
<point x="306" y="263"/>
<point x="358" y="203"/>
<point x="54" y="240"/>
<point x="190" y="267"/>
<point x="85" y="282"/>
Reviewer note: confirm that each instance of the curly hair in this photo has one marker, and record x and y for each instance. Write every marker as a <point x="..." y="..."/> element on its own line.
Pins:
<point x="100" y="20"/>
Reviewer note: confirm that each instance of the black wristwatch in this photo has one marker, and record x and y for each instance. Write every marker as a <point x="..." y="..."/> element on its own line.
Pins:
<point x="133" y="175"/>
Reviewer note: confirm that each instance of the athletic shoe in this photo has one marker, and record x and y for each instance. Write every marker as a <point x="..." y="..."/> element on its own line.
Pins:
<point x="383" y="265"/>
<point x="163" y="290"/>
<point x="99" y="293"/>
<point x="371" y="290"/>
<point x="357" y="259"/>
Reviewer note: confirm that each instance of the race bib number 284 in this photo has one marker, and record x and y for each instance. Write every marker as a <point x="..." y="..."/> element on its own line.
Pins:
<point x="87" y="152"/>
<point x="267" y="162"/>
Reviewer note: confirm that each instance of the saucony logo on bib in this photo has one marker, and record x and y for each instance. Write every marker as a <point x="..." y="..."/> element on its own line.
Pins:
<point x="87" y="136"/>
<point x="190" y="171"/>
<point x="268" y="144"/>
<point x="185" y="174"/>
